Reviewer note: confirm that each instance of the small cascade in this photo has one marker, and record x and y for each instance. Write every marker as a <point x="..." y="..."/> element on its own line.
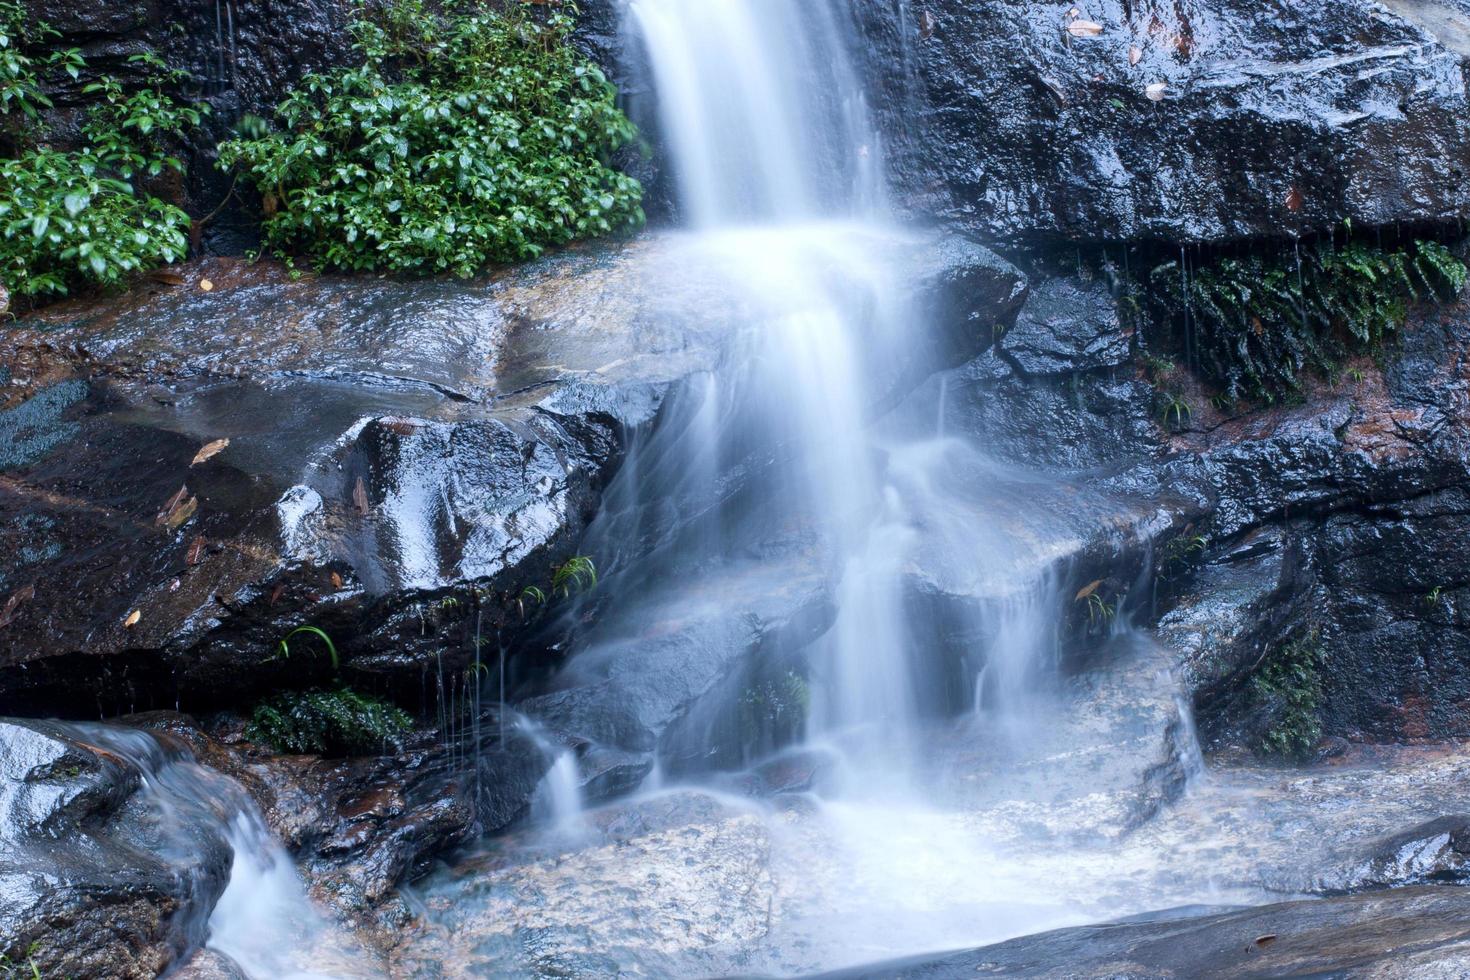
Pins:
<point x="263" y="921"/>
<point x="557" y="803"/>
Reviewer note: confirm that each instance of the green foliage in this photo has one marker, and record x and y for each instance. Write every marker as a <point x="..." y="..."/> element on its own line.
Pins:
<point x="576" y="575"/>
<point x="283" y="648"/>
<point x="1288" y="686"/>
<point x="1258" y="323"/>
<point x="776" y="706"/>
<point x="69" y="217"/>
<point x="471" y="136"/>
<point x="1174" y="412"/>
<point x="15" y="970"/>
<point x="337" y="721"/>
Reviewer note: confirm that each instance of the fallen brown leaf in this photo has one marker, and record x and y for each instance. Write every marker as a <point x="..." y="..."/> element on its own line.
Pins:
<point x="171" y="505"/>
<point x="1295" y="199"/>
<point x="1088" y="590"/>
<point x="196" y="550"/>
<point x="210" y="450"/>
<point x="132" y="619"/>
<point x="277" y="592"/>
<point x="1266" y="940"/>
<point x="336" y="581"/>
<point x="182" y="513"/>
<point x="360" y="497"/>
<point x="1084" y="28"/>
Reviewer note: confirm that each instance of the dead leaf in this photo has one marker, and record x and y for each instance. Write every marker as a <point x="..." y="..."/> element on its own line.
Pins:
<point x="400" y="427"/>
<point x="210" y="450"/>
<point x="1084" y="28"/>
<point x="173" y="504"/>
<point x="132" y="619"/>
<point x="360" y="498"/>
<point x="182" y="513"/>
<point x="206" y="284"/>
<point x="1266" y="940"/>
<point x="17" y="598"/>
<point x="927" y="25"/>
<point x="1088" y="590"/>
<point x="196" y="550"/>
<point x="336" y="581"/>
<point x="1157" y="91"/>
<point x="166" y="277"/>
<point x="1295" y="199"/>
<point x="1258" y="326"/>
<point x="277" y="592"/>
<point x="1135" y="55"/>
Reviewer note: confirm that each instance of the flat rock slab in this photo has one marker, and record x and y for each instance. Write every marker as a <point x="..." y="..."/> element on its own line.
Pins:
<point x="1418" y="932"/>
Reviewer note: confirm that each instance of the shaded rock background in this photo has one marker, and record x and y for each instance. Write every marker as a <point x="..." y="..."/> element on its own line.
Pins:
<point x="1187" y="121"/>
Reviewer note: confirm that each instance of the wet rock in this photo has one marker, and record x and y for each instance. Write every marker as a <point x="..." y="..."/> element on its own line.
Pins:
<point x="1067" y="326"/>
<point x="690" y="872"/>
<point x="207" y="964"/>
<point x="1203" y="122"/>
<point x="1413" y="932"/>
<point x="1435" y="852"/>
<point x="103" y="871"/>
<point x="387" y="443"/>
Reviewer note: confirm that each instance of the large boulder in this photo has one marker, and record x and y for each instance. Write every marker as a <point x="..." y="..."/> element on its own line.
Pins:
<point x="231" y="453"/>
<point x="1194" y="121"/>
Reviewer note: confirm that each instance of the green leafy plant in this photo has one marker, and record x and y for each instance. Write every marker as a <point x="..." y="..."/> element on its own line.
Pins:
<point x="13" y="970"/>
<point x="776" y="705"/>
<point x="1257" y="323"/>
<point x="336" y="721"/>
<point x="283" y="648"/>
<point x="1288" y="686"/>
<point x="1174" y="412"/>
<point x="533" y="595"/>
<point x="77" y="216"/>
<point x="577" y="574"/>
<point x="472" y="133"/>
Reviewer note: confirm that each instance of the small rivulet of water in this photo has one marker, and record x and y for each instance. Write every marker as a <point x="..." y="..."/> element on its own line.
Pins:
<point x="263" y="921"/>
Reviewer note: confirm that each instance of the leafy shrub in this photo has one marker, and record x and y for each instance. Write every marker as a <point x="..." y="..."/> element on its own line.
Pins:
<point x="1289" y="689"/>
<point x="76" y="216"/>
<point x="477" y="135"/>
<point x="1256" y="324"/>
<point x="337" y="721"/>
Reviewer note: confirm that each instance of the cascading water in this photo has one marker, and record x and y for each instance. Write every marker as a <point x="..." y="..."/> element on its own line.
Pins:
<point x="262" y="922"/>
<point x="780" y="176"/>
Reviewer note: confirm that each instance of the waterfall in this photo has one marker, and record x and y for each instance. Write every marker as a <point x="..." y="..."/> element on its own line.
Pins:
<point x="779" y="169"/>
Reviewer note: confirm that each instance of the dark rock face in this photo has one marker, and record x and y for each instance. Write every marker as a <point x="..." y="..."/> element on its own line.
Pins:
<point x="108" y="863"/>
<point x="1336" y="518"/>
<point x="403" y="459"/>
<point x="1412" y="932"/>
<point x="1179" y="121"/>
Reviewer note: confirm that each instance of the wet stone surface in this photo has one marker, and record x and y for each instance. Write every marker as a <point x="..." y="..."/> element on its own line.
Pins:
<point x="388" y="443"/>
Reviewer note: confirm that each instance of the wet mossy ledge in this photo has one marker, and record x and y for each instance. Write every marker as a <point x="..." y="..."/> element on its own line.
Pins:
<point x="1253" y="323"/>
